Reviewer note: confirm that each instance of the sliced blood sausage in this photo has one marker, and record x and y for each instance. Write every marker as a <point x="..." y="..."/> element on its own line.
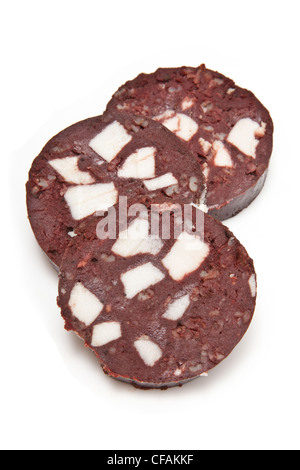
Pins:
<point x="226" y="127"/>
<point x="87" y="168"/>
<point x="158" y="311"/>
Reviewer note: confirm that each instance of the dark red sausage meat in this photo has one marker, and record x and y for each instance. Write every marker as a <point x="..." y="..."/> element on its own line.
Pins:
<point x="228" y="130"/>
<point x="87" y="168"/>
<point x="158" y="311"/>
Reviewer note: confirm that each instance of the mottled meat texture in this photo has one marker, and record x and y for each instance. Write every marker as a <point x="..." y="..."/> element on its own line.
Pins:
<point x="156" y="311"/>
<point x="228" y="130"/>
<point x="88" y="167"/>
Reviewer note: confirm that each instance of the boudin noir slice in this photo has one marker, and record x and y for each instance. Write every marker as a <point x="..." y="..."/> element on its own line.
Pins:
<point x="87" y="167"/>
<point x="228" y="130"/>
<point x="164" y="300"/>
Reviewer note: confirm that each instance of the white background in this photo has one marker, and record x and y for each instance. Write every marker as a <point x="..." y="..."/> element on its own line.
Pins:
<point x="60" y="62"/>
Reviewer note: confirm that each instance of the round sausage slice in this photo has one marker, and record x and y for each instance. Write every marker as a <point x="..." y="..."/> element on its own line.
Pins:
<point x="228" y="130"/>
<point x="91" y="165"/>
<point x="164" y="299"/>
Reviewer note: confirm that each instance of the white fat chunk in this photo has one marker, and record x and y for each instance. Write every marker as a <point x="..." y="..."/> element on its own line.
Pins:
<point x="230" y="91"/>
<point x="68" y="169"/>
<point x="85" y="200"/>
<point x="187" y="255"/>
<point x="187" y="127"/>
<point x="181" y="124"/>
<point x="168" y="114"/>
<point x="105" y="333"/>
<point x="85" y="306"/>
<point x="205" y="145"/>
<point x="252" y="285"/>
<point x="163" y="181"/>
<point x="243" y="136"/>
<point x="138" y="279"/>
<point x="222" y="156"/>
<point x="139" y="165"/>
<point x="72" y="234"/>
<point x="136" y="240"/>
<point x="149" y="351"/>
<point x="187" y="103"/>
<point x="176" y="309"/>
<point x="109" y="142"/>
